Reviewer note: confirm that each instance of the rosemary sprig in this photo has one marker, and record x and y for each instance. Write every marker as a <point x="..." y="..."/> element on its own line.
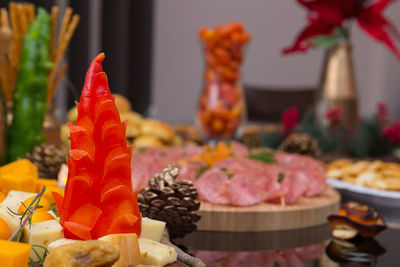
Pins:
<point x="40" y="261"/>
<point x="26" y="216"/>
<point x="53" y="207"/>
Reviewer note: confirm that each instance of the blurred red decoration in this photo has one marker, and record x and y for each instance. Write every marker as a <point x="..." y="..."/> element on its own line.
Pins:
<point x="290" y="118"/>
<point x="333" y="116"/>
<point x="392" y="132"/>
<point x="326" y="16"/>
<point x="382" y="113"/>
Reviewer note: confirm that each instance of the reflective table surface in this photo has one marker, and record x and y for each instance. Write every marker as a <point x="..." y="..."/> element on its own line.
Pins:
<point x="304" y="247"/>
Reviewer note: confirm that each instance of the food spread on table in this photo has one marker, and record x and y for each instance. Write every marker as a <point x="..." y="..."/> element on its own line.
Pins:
<point x="96" y="221"/>
<point x="231" y="174"/>
<point x="373" y="174"/>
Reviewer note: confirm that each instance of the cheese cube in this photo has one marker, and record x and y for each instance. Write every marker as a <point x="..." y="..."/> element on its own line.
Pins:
<point x="18" y="175"/>
<point x="152" y="229"/>
<point x="49" y="196"/>
<point x="14" y="254"/>
<point x="42" y="234"/>
<point x="14" y="199"/>
<point x="61" y="242"/>
<point x="47" y="182"/>
<point x="152" y="252"/>
<point x="128" y="247"/>
<point x="12" y="220"/>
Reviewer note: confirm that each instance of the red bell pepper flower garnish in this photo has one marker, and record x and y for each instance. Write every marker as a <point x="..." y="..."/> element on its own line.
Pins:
<point x="99" y="199"/>
<point x="325" y="16"/>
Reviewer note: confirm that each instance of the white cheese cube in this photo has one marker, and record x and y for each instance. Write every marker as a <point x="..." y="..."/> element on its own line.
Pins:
<point x="41" y="234"/>
<point x="14" y="199"/>
<point x="13" y="221"/>
<point x="128" y="248"/>
<point x="61" y="242"/>
<point x="155" y="253"/>
<point x="152" y="229"/>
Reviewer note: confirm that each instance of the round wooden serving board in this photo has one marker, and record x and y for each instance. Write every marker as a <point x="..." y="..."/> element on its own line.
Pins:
<point x="306" y="212"/>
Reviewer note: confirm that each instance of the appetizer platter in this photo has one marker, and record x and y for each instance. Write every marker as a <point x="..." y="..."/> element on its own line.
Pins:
<point x="96" y="221"/>
<point x="271" y="189"/>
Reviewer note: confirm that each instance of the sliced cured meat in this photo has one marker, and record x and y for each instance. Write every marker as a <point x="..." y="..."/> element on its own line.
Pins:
<point x="248" y="189"/>
<point x="298" y="185"/>
<point x="276" y="188"/>
<point x="212" y="258"/>
<point x="213" y="186"/>
<point x="189" y="170"/>
<point x="309" y="167"/>
<point x="241" y="165"/>
<point x="239" y="149"/>
<point x="289" y="258"/>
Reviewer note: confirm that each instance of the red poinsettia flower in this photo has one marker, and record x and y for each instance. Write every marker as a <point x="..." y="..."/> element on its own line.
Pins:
<point x="325" y="16"/>
<point x="333" y="116"/>
<point x="392" y="133"/>
<point x="382" y="113"/>
<point x="290" y="118"/>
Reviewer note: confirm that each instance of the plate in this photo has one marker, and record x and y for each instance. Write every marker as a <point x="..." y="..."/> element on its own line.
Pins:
<point x="386" y="202"/>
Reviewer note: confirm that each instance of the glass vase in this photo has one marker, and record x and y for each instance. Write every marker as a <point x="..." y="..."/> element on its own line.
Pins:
<point x="221" y="106"/>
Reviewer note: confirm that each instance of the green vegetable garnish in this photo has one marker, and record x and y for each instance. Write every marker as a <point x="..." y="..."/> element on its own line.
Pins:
<point x="30" y="97"/>
<point x="281" y="176"/>
<point x="266" y="157"/>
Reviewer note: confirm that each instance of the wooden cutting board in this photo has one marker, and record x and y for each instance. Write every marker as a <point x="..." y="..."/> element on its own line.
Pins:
<point x="306" y="212"/>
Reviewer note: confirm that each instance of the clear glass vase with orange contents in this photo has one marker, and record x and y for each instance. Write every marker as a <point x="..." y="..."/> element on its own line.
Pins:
<point x="221" y="107"/>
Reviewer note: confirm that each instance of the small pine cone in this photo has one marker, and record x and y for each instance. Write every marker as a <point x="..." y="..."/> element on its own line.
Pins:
<point x="300" y="143"/>
<point x="171" y="201"/>
<point x="48" y="160"/>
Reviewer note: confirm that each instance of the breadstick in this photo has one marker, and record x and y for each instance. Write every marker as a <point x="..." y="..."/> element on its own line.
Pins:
<point x="61" y="47"/>
<point x="30" y="11"/>
<point x="22" y="19"/>
<point x="54" y="16"/>
<point x="54" y="86"/>
<point x="64" y="25"/>
<point x="15" y="28"/>
<point x="4" y="18"/>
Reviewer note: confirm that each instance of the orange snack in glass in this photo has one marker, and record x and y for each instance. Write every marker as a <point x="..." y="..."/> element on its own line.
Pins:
<point x="221" y="104"/>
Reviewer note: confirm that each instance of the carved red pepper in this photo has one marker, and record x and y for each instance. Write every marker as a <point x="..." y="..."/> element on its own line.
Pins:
<point x="99" y="198"/>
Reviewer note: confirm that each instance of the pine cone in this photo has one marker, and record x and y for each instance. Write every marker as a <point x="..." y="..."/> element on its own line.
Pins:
<point x="48" y="160"/>
<point x="171" y="201"/>
<point x="301" y="143"/>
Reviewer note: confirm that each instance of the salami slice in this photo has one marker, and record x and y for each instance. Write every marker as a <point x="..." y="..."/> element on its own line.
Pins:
<point x="213" y="187"/>
<point x="248" y="189"/>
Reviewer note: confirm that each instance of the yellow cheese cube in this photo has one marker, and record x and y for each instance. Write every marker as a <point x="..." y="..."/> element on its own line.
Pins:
<point x="128" y="247"/>
<point x="49" y="196"/>
<point x="14" y="199"/>
<point x="47" y="182"/>
<point x="14" y="254"/>
<point x="41" y="234"/>
<point x="22" y="166"/>
<point x="152" y="252"/>
<point x="152" y="229"/>
<point x="10" y="181"/>
<point x="18" y="175"/>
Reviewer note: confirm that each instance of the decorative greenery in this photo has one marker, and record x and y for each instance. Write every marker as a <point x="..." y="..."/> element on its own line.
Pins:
<point x="372" y="137"/>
